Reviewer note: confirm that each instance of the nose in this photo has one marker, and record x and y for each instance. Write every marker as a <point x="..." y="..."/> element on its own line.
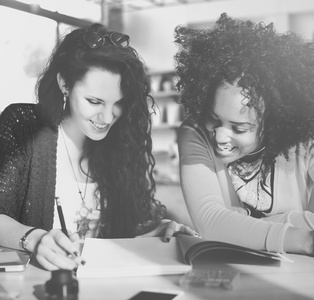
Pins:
<point x="107" y="115"/>
<point x="222" y="135"/>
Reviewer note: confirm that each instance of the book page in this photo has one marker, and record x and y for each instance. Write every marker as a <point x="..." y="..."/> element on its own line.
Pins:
<point x="213" y="251"/>
<point x="131" y="257"/>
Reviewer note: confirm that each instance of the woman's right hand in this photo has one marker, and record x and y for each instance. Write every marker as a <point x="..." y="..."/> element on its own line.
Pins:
<point x="54" y="250"/>
<point x="299" y="240"/>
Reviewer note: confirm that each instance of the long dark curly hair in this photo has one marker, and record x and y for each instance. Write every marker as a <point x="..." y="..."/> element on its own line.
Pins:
<point x="122" y="163"/>
<point x="276" y="72"/>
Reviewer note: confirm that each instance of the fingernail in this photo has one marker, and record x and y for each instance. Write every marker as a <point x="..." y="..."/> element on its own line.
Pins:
<point x="76" y="253"/>
<point x="167" y="240"/>
<point x="196" y="234"/>
<point x="83" y="262"/>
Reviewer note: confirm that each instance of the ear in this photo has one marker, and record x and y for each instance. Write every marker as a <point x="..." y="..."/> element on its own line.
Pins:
<point x="62" y="85"/>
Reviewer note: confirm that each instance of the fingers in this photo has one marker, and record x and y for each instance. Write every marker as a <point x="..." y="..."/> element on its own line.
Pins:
<point x="158" y="231"/>
<point x="170" y="230"/>
<point x="186" y="230"/>
<point x="51" y="260"/>
<point x="57" y="251"/>
<point x="60" y="243"/>
<point x="174" y="228"/>
<point x="78" y="242"/>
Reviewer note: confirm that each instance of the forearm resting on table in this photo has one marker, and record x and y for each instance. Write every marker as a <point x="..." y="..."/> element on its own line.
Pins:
<point x="299" y="238"/>
<point x="11" y="232"/>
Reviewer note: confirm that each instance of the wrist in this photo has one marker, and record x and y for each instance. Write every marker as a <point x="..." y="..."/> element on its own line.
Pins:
<point x="31" y="238"/>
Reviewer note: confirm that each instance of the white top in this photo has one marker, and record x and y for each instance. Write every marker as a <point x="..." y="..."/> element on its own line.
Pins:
<point x="80" y="218"/>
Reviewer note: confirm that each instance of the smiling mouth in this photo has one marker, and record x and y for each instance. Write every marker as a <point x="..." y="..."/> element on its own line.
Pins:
<point x="100" y="125"/>
<point x="225" y="148"/>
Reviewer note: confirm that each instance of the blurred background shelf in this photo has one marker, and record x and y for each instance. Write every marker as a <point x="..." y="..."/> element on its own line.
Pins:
<point x="166" y="126"/>
<point x="165" y="95"/>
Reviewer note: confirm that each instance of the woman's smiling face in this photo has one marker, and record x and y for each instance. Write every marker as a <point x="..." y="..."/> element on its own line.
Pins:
<point x="236" y="130"/>
<point x="95" y="104"/>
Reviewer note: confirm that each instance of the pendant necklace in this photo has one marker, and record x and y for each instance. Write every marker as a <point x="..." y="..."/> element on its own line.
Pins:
<point x="83" y="223"/>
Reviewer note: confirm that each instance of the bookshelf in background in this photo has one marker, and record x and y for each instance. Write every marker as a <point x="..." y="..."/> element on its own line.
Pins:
<point x="165" y="125"/>
<point x="166" y="120"/>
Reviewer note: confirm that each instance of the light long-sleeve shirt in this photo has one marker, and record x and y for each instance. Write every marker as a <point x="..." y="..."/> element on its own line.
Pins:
<point x="215" y="209"/>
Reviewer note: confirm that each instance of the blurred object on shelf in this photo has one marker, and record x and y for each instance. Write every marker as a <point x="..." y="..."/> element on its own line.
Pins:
<point x="173" y="113"/>
<point x="155" y="83"/>
<point x="167" y="165"/>
<point x="174" y="162"/>
<point x="158" y="114"/>
<point x="166" y="83"/>
<point x="163" y="81"/>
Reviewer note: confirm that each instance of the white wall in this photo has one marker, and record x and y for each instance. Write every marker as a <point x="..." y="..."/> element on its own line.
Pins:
<point x="303" y="24"/>
<point x="152" y="30"/>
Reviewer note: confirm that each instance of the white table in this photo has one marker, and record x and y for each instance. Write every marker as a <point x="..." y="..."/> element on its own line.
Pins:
<point x="287" y="281"/>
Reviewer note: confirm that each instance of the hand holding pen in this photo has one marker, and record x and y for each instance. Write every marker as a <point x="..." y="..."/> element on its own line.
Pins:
<point x="56" y="250"/>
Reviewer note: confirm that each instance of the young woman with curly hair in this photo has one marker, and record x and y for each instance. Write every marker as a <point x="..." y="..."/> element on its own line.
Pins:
<point x="85" y="144"/>
<point x="246" y="147"/>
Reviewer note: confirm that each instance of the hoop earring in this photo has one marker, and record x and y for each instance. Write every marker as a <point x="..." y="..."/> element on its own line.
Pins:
<point x="65" y="99"/>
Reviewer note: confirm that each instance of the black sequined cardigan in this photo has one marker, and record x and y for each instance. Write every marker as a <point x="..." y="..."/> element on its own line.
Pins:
<point x="27" y="166"/>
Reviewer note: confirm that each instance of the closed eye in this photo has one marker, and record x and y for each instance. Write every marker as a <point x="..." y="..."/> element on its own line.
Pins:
<point x="94" y="101"/>
<point x="240" y="130"/>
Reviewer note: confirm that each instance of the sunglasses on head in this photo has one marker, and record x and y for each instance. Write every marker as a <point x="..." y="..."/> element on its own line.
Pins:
<point x="96" y="40"/>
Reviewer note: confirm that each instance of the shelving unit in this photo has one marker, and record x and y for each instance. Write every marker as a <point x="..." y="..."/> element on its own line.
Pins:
<point x="166" y="121"/>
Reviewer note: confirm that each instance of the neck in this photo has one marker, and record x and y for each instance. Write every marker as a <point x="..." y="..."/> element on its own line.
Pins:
<point x="74" y="136"/>
<point x="74" y="150"/>
<point x="251" y="157"/>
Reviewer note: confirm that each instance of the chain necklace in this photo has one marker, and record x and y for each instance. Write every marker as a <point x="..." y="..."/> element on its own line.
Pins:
<point x="84" y="211"/>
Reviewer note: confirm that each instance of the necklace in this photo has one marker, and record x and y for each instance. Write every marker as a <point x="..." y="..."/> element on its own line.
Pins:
<point x="84" y="211"/>
<point x="258" y="151"/>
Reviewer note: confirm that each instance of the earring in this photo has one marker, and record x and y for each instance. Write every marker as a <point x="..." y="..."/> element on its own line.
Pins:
<point x="65" y="99"/>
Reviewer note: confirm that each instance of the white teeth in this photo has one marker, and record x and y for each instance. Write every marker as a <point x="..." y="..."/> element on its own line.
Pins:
<point x="225" y="148"/>
<point x="99" y="125"/>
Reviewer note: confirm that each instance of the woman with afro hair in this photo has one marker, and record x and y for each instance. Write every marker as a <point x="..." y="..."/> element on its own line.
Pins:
<point x="246" y="147"/>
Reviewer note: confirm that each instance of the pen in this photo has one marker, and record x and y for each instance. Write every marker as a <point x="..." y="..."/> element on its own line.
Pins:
<point x="61" y="217"/>
<point x="65" y="231"/>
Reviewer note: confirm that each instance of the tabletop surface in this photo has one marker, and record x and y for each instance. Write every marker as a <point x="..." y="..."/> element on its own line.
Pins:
<point x="281" y="281"/>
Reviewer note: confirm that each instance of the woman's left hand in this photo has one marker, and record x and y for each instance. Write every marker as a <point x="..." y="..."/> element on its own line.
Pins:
<point x="168" y="228"/>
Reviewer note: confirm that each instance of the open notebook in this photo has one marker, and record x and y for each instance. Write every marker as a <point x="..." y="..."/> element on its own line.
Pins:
<point x="151" y="256"/>
<point x="131" y="257"/>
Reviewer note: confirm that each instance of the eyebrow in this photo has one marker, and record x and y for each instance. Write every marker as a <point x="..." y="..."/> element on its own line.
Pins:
<point x="233" y="122"/>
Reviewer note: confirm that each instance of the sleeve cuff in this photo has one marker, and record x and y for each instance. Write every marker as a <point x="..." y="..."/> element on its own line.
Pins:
<point x="275" y="237"/>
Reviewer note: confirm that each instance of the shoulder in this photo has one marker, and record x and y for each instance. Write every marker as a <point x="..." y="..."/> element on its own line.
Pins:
<point x="18" y="112"/>
<point x="192" y="130"/>
<point x="194" y="144"/>
<point x="19" y="121"/>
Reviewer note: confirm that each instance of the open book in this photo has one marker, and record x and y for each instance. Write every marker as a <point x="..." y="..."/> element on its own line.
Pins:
<point x="200" y="250"/>
<point x="131" y="257"/>
<point x="151" y="256"/>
